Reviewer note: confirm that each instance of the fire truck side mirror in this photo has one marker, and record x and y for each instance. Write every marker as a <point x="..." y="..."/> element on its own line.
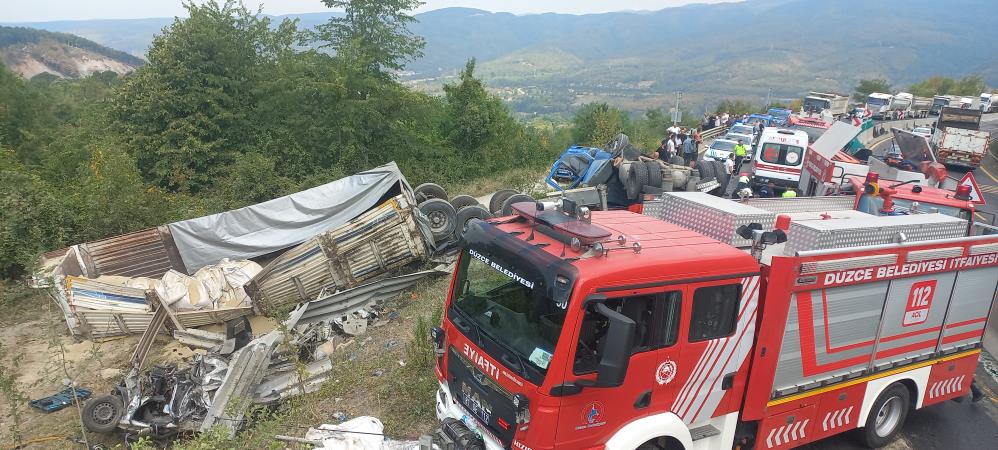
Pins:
<point x="619" y="341"/>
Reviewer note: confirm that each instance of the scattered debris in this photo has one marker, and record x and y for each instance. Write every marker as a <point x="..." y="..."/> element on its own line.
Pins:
<point x="392" y="343"/>
<point x="360" y="433"/>
<point x="61" y="400"/>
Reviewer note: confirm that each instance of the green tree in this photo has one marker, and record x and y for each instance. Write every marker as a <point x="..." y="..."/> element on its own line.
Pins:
<point x="184" y="115"/>
<point x="867" y="87"/>
<point x="373" y="35"/>
<point x="475" y="117"/>
<point x="971" y="85"/>
<point x="33" y="217"/>
<point x="735" y="107"/>
<point x="596" y="123"/>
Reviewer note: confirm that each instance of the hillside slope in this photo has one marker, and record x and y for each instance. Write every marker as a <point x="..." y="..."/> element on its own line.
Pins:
<point x="29" y="52"/>
<point x="745" y="48"/>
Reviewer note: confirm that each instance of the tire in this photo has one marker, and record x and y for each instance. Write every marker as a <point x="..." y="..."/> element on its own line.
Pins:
<point x="654" y="169"/>
<point x="101" y="414"/>
<point x="462" y="201"/>
<point x="427" y="191"/>
<point x="467" y="214"/>
<point x="495" y="204"/>
<point x="706" y="169"/>
<point x="677" y="160"/>
<point x="887" y="416"/>
<point x="507" y="206"/>
<point x="441" y="216"/>
<point x="637" y="178"/>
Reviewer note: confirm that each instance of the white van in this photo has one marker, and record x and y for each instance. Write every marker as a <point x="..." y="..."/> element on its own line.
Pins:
<point x="779" y="156"/>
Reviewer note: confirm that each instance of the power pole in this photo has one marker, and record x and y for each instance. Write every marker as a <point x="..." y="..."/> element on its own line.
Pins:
<point x="769" y="95"/>
<point x="677" y="115"/>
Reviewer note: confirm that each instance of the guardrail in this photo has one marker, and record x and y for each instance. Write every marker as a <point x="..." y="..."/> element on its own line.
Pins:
<point x="713" y="133"/>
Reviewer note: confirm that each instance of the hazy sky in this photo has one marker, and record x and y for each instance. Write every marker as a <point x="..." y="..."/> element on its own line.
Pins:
<point x="44" y="10"/>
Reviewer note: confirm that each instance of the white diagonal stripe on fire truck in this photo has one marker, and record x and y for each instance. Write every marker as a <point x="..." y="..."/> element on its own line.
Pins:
<point x="708" y="363"/>
<point x="731" y="358"/>
<point x="787" y="433"/>
<point x="693" y="376"/>
<point x="837" y="418"/>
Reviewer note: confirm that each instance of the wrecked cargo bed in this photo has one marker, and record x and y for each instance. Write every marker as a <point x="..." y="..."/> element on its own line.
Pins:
<point x="205" y="270"/>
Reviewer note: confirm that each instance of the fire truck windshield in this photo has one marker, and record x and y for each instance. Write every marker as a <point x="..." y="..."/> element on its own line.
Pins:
<point x="512" y="314"/>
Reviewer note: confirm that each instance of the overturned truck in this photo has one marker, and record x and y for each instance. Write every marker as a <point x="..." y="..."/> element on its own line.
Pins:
<point x="257" y="259"/>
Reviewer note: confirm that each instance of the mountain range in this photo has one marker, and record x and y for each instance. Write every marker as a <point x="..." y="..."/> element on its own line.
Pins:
<point x="748" y="49"/>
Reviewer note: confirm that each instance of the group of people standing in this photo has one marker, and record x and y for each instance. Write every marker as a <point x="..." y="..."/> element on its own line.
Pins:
<point x="680" y="142"/>
<point x="721" y="120"/>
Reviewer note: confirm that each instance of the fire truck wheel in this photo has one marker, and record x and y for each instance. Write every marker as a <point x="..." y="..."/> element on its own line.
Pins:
<point x="427" y="191"/>
<point x="654" y="173"/>
<point x="495" y="204"/>
<point x="463" y="200"/>
<point x="101" y="414"/>
<point x="887" y="416"/>
<point x="507" y="206"/>
<point x="470" y="212"/>
<point x="441" y="216"/>
<point x="637" y="178"/>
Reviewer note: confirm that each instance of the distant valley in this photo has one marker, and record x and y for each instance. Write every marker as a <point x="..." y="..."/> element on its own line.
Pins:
<point x="546" y="63"/>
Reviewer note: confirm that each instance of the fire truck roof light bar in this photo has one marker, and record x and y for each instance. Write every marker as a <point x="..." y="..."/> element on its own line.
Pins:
<point x="960" y="240"/>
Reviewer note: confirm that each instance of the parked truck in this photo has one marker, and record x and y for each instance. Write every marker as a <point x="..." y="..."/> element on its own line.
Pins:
<point x="822" y="103"/>
<point x="958" y="139"/>
<point x="920" y="107"/>
<point x="880" y="105"/>
<point x="989" y="102"/>
<point x="706" y="324"/>
<point x="941" y="101"/>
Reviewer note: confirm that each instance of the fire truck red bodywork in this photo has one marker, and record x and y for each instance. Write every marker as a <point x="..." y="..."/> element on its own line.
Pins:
<point x="719" y="383"/>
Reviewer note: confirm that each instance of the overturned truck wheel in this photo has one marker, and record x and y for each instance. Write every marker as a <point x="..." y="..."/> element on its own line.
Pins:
<point x="101" y="414"/>
<point x="495" y="204"/>
<point x="441" y="216"/>
<point x="469" y="213"/>
<point x="462" y="201"/>
<point x="427" y="191"/>
<point x="507" y="206"/>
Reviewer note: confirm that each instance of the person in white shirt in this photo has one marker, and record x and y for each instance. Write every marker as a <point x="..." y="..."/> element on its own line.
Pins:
<point x="673" y="130"/>
<point x="729" y="164"/>
<point x="670" y="146"/>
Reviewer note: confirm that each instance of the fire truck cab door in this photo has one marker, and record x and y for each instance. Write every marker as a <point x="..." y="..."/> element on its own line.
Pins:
<point x="591" y="415"/>
<point x="716" y="337"/>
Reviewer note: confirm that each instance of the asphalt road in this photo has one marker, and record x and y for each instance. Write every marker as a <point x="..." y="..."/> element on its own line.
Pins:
<point x="951" y="425"/>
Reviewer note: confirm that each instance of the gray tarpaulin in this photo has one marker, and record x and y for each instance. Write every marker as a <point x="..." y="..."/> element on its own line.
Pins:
<point x="282" y="222"/>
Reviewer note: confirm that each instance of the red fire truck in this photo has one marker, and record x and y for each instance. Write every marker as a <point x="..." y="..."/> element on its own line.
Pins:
<point x="706" y="323"/>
